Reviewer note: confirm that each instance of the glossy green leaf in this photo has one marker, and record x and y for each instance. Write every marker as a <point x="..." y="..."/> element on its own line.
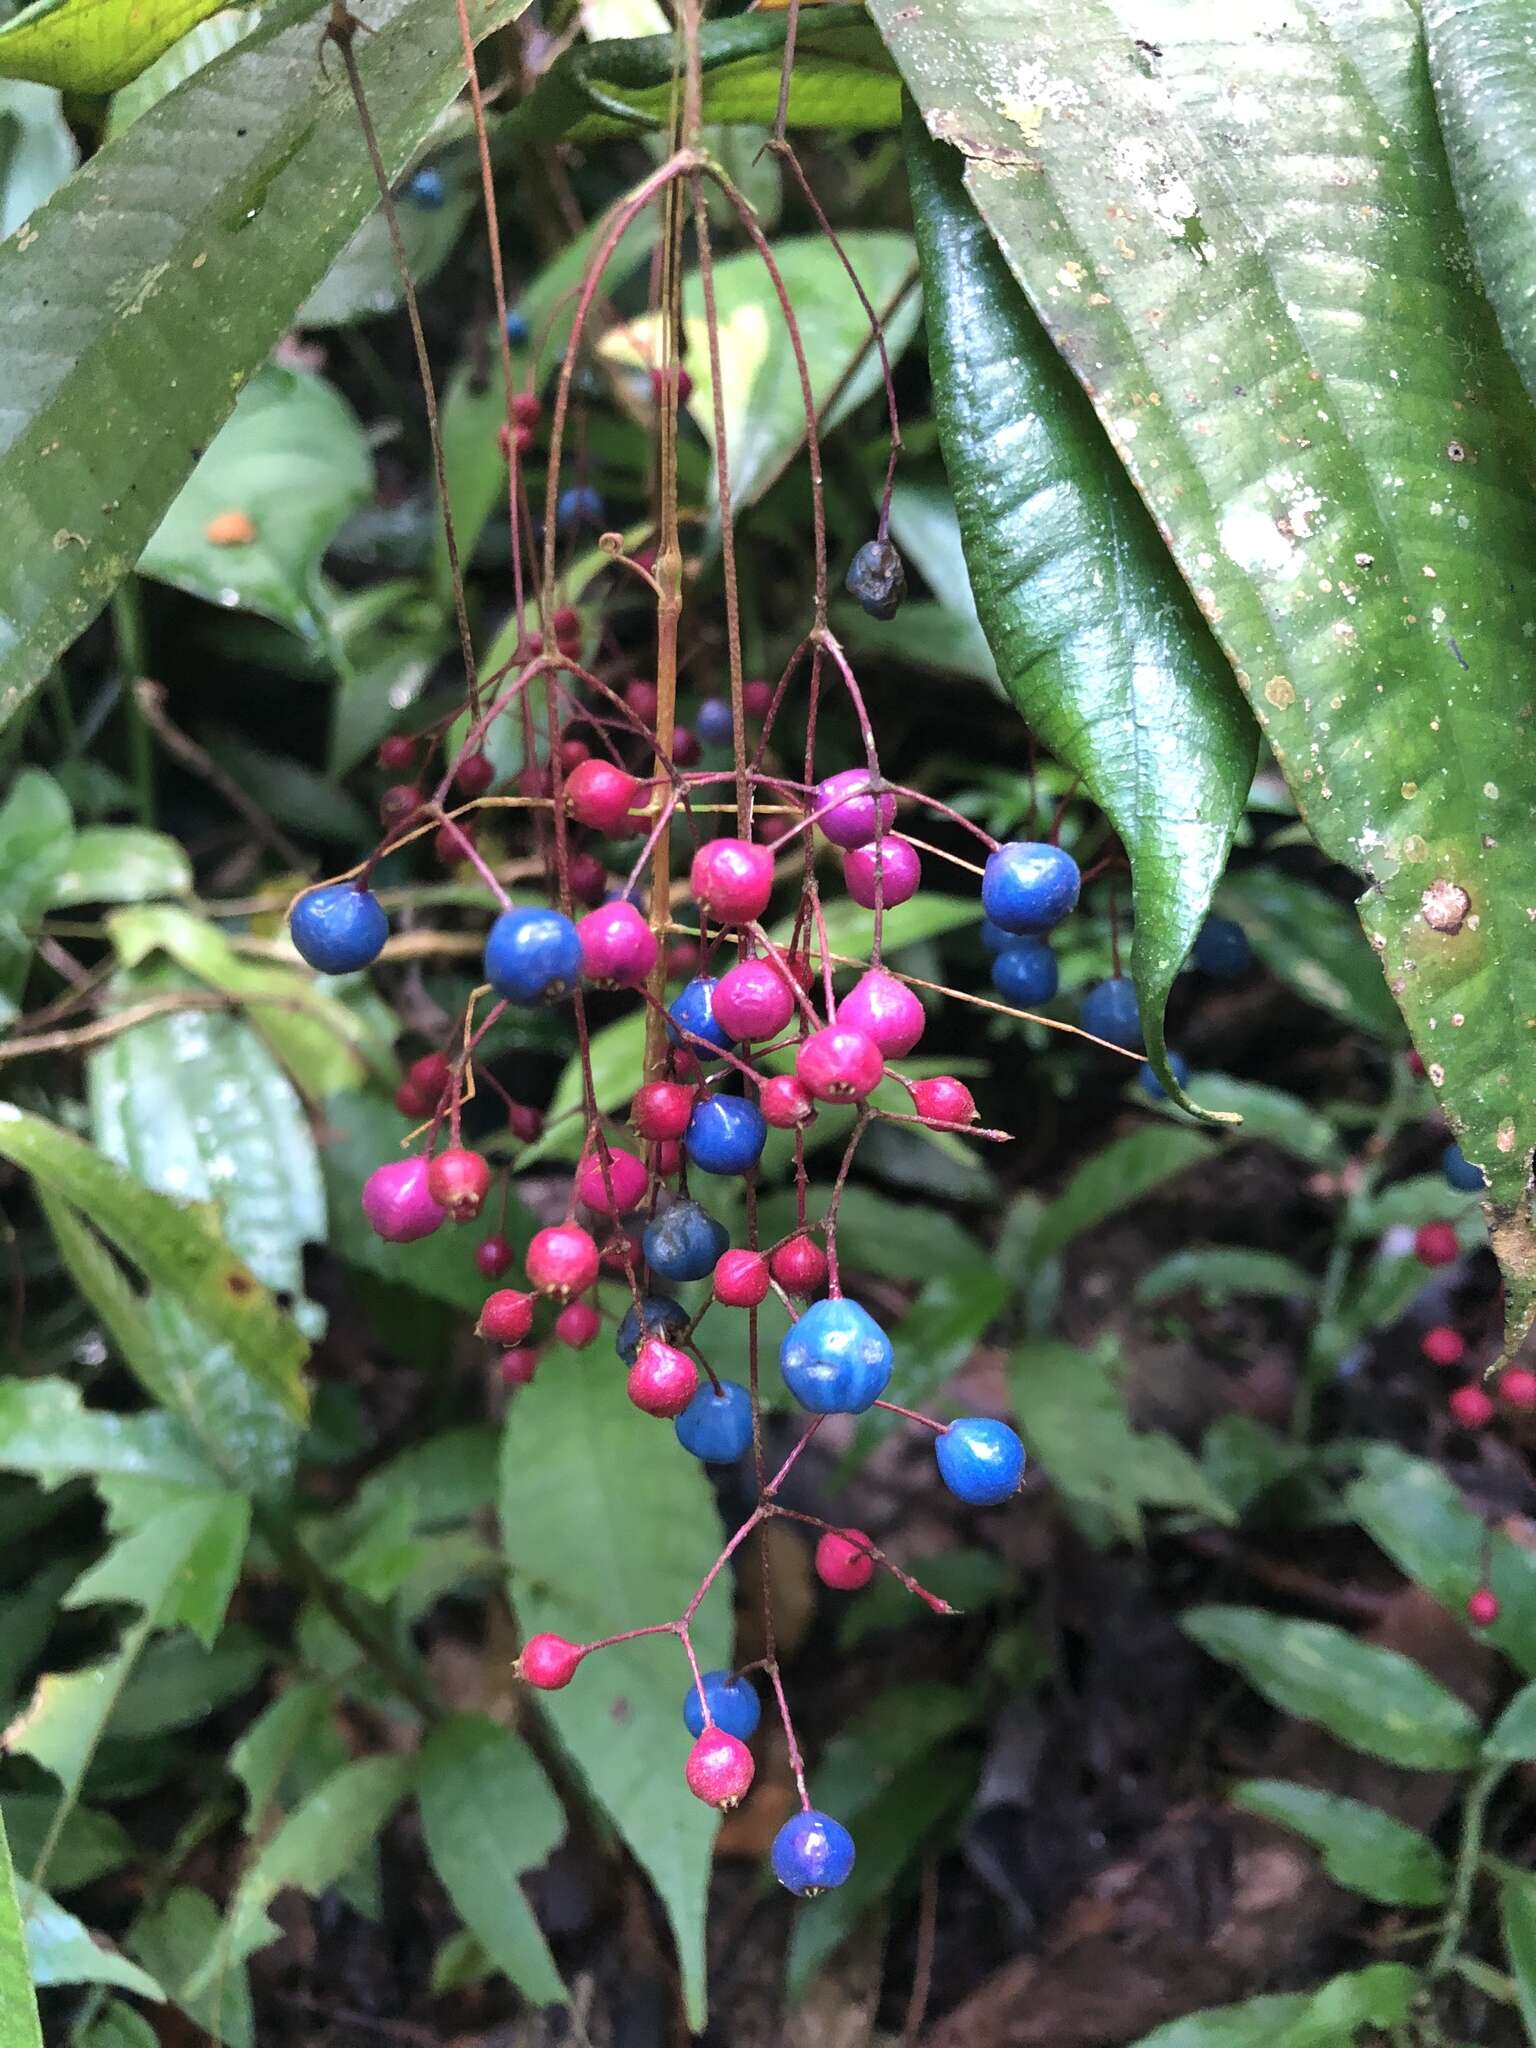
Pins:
<point x="205" y="1537"/>
<point x="1361" y="1847"/>
<point x="1482" y="59"/>
<point x="1124" y="1172"/>
<point x="93" y="46"/>
<point x="37" y="830"/>
<point x="1380" y="1996"/>
<point x="19" y="2026"/>
<point x="764" y="404"/>
<point x="1512" y="1738"/>
<point x="88" y="1845"/>
<point x="194" y="1105"/>
<point x="60" y="1950"/>
<point x="177" y="1247"/>
<point x="1071" y="1411"/>
<point x="1225" y="1273"/>
<point x="1517" y="1911"/>
<point x="120" y="864"/>
<point x="47" y="1432"/>
<point x="1307" y="938"/>
<point x="1413" y="1512"/>
<point x="1103" y="651"/>
<point x="593" y="1544"/>
<point x="37" y="151"/>
<point x="489" y="1816"/>
<point x="1356" y="525"/>
<point x="1373" y="1699"/>
<point x="292" y="460"/>
<point x="842" y="79"/>
<point x="172" y="1939"/>
<point x="266" y="1752"/>
<point x="118" y="274"/>
<point x="186" y="56"/>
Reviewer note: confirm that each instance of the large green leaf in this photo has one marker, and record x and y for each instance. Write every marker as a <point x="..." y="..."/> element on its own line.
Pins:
<point x="60" y="1950"/>
<point x="93" y="46"/>
<point x="1361" y="1846"/>
<point x="1374" y="1699"/>
<point x="236" y="191"/>
<point x="1096" y="640"/>
<point x="18" y="2008"/>
<point x="37" y="151"/>
<point x="171" y="1938"/>
<point x="1482" y="58"/>
<point x="1379" y="1996"/>
<point x="490" y="1816"/>
<point x="1310" y="940"/>
<point x="177" y="1247"/>
<point x="607" y="1525"/>
<point x="47" y="1432"/>
<point x="1227" y="217"/>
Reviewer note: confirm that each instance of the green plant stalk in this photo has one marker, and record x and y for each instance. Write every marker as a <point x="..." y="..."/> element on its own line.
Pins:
<point x="132" y="654"/>
<point x="1469" y="1850"/>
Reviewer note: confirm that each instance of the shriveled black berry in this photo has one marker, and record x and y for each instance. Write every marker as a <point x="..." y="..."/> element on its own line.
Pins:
<point x="877" y="579"/>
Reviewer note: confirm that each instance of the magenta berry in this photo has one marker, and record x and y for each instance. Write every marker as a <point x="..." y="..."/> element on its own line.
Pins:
<point x="846" y="809"/>
<point x="493" y="1257"/>
<point x="397" y="754"/>
<point x="661" y="1110"/>
<point x="474" y="774"/>
<point x="1483" y="1607"/>
<point x="518" y="1365"/>
<point x="507" y="1316"/>
<point x="843" y="1560"/>
<point x="525" y="1122"/>
<point x="430" y="1076"/>
<point x="839" y="1065"/>
<point x="1434" y="1244"/>
<point x="943" y="1100"/>
<point x="1517" y="1388"/>
<point x="719" y="1769"/>
<point x="800" y="1266"/>
<point x="885" y="1010"/>
<point x="733" y="880"/>
<point x="399" y="802"/>
<point x="662" y="1380"/>
<point x="398" y="1202"/>
<point x="785" y="1103"/>
<point x="741" y="1279"/>
<point x="454" y="841"/>
<point x="599" y="794"/>
<point x="578" y="1324"/>
<point x="1443" y="1346"/>
<point x="1470" y="1407"/>
<point x="410" y="1101"/>
<point x="617" y="945"/>
<point x="685" y="748"/>
<point x="754" y="1000"/>
<point x="549" y="1662"/>
<point x="641" y="699"/>
<point x="621" y="1190"/>
<point x="588" y="879"/>
<point x="459" y="1181"/>
<point x="900" y="871"/>
<point x="757" y="699"/>
<point x="562" y="1260"/>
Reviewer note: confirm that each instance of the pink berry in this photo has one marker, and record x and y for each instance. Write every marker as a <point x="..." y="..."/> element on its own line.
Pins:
<point x="784" y="1102"/>
<point x="685" y="748"/>
<point x="549" y="1662"/>
<point x="617" y="945"/>
<point x="431" y="1075"/>
<point x="534" y="780"/>
<point x="453" y="841"/>
<point x="460" y="1181"/>
<point x="575" y="754"/>
<point x="641" y="699"/>
<point x="843" y="1561"/>
<point x="507" y="1316"/>
<point x="839" y="1065"/>
<point x="799" y="1265"/>
<point x="943" y="1100"/>
<point x="397" y="753"/>
<point x="578" y="1324"/>
<point x="1434" y="1244"/>
<point x="398" y="1202"/>
<point x="901" y="872"/>
<point x="525" y="1122"/>
<point x="599" y="794"/>
<point x="399" y="802"/>
<point x="526" y="409"/>
<point x="1470" y="1408"/>
<point x="622" y="1253"/>
<point x="753" y="1000"/>
<point x="662" y="1380"/>
<point x="493" y="1257"/>
<point x="846" y="810"/>
<point x="733" y="880"/>
<point x="1517" y="1388"/>
<point x="410" y="1101"/>
<point x="475" y="773"/>
<point x="669" y="1157"/>
<point x="719" y="1769"/>
<point x="1443" y="1346"/>
<point x="621" y="1190"/>
<point x="518" y="1365"/>
<point x="661" y="1109"/>
<point x="588" y="879"/>
<point x="1482" y="1607"/>
<point x="562" y="1260"/>
<point x="566" y="623"/>
<point x="885" y="1010"/>
<point x="741" y="1279"/>
<point x="757" y="699"/>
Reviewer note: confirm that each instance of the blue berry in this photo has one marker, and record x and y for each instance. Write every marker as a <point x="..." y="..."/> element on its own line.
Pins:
<point x="1150" y="1085"/>
<point x="994" y="938"/>
<point x="339" y="928"/>
<point x="517" y="327"/>
<point x="812" y="1853"/>
<point x="684" y="1242"/>
<point x="725" y="1134"/>
<point x="1222" y="949"/>
<point x="581" y="505"/>
<point x="1027" y="886"/>
<point x="836" y="1360"/>
<point x="1458" y="1169"/>
<point x="657" y="1315"/>
<point x="717" y="1427"/>
<point x="1024" y="972"/>
<point x="734" y="1706"/>
<point x="714" y="724"/>
<point x="1109" y="1011"/>
<point x="980" y="1461"/>
<point x="427" y="187"/>
<point x="533" y="956"/>
<point x="693" y="1014"/>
